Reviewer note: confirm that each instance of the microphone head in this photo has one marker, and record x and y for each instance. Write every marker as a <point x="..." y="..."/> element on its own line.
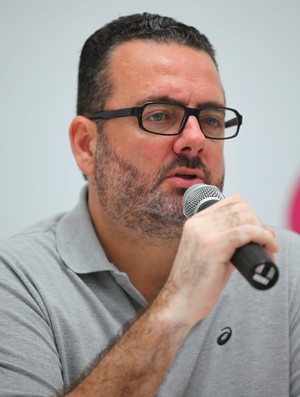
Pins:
<point x="198" y="197"/>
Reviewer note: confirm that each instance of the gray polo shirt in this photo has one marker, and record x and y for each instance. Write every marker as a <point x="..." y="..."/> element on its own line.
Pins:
<point x="61" y="302"/>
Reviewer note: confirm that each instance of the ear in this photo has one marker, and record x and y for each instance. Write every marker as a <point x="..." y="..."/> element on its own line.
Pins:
<point x="83" y="139"/>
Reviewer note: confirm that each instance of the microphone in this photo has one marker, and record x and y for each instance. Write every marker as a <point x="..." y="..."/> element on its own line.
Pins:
<point x="250" y="259"/>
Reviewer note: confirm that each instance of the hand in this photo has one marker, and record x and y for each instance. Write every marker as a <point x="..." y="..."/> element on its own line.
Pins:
<point x="202" y="265"/>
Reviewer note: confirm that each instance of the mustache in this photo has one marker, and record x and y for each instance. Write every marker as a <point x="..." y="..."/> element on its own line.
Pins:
<point x="188" y="162"/>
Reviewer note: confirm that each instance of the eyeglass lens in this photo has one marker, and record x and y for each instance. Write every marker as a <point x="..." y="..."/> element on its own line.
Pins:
<point x="167" y="119"/>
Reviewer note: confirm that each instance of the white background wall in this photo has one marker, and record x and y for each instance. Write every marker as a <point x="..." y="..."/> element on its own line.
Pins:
<point x="258" y="50"/>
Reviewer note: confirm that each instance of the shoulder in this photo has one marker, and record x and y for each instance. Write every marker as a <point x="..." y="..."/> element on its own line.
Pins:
<point x="27" y="251"/>
<point x="289" y="243"/>
<point x="34" y="236"/>
<point x="288" y="261"/>
<point x="285" y="235"/>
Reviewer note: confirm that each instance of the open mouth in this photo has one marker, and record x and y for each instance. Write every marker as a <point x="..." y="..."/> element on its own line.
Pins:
<point x="186" y="176"/>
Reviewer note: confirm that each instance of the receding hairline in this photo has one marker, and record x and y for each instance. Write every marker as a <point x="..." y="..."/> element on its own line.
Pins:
<point x="106" y="73"/>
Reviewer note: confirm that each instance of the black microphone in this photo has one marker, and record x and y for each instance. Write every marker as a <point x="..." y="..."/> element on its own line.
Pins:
<point x="251" y="260"/>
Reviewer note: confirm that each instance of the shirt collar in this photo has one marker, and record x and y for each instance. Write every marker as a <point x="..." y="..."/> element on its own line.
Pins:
<point x="77" y="242"/>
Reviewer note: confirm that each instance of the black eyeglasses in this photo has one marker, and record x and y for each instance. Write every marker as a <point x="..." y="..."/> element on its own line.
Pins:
<point x="163" y="118"/>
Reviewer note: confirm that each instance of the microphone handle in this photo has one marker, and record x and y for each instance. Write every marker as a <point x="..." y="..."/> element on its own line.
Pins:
<point x="255" y="265"/>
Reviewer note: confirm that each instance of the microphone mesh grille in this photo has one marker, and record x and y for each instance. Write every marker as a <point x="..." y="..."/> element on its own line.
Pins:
<point x="197" y="194"/>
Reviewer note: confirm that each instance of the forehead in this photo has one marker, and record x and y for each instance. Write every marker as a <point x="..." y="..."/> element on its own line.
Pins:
<point x="141" y="70"/>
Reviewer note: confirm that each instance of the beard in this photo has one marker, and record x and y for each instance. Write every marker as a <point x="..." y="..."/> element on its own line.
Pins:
<point x="135" y="200"/>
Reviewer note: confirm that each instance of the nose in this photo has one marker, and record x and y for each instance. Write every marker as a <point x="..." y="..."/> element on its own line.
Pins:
<point x="191" y="140"/>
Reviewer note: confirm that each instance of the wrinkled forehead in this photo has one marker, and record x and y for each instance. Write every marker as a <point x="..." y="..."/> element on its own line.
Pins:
<point x="145" y="67"/>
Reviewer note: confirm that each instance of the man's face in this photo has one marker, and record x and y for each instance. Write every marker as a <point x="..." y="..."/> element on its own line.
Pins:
<point x="140" y="177"/>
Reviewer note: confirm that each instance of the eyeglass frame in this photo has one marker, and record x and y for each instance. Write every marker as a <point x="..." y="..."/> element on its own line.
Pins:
<point x="137" y="111"/>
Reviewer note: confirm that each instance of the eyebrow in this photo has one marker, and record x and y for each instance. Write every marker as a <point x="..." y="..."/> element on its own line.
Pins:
<point x="166" y="98"/>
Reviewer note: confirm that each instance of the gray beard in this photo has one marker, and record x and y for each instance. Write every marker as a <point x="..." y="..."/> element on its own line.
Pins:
<point x="133" y="199"/>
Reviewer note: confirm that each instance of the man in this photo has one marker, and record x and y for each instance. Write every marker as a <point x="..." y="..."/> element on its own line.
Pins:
<point x="122" y="296"/>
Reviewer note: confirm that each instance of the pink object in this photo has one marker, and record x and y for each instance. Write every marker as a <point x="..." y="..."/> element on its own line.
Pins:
<point x="294" y="209"/>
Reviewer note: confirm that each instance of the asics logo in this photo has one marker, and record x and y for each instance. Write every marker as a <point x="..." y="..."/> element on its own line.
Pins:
<point x="225" y="336"/>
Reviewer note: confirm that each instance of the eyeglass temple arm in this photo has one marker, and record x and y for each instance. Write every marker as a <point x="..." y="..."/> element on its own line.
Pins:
<point x="233" y="122"/>
<point x="112" y="114"/>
